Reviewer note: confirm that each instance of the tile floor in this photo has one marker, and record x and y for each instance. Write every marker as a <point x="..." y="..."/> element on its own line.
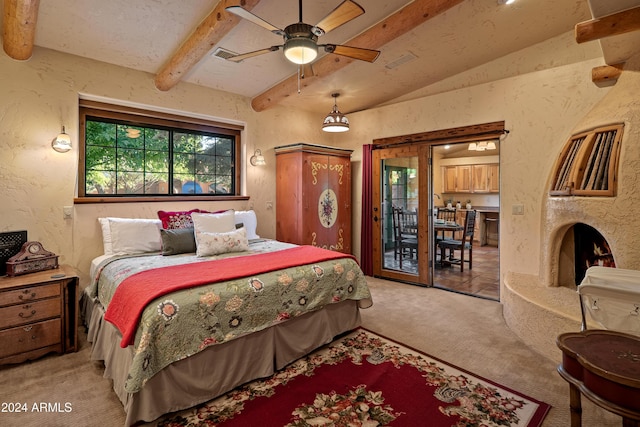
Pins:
<point x="483" y="280"/>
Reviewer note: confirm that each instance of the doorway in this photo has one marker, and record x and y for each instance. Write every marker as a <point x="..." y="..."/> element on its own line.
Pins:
<point x="409" y="184"/>
<point x="477" y="186"/>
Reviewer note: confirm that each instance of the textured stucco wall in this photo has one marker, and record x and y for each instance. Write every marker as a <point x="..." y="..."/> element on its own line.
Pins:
<point x="539" y="109"/>
<point x="614" y="217"/>
<point x="40" y="95"/>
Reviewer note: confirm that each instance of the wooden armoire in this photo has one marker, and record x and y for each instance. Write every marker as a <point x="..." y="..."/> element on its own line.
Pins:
<point x="313" y="196"/>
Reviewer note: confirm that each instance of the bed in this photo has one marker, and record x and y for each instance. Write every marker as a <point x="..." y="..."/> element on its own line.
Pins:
<point x="179" y="329"/>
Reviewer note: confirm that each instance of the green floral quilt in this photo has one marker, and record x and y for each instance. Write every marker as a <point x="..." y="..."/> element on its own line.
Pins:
<point x="185" y="322"/>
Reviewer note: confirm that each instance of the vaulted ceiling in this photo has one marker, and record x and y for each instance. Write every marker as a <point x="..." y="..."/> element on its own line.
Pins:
<point x="421" y="41"/>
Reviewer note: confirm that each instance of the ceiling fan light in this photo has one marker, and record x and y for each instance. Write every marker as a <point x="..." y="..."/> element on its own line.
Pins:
<point x="300" y="50"/>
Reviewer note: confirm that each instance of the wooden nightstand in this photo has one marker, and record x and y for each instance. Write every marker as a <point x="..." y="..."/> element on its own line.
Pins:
<point x="38" y="314"/>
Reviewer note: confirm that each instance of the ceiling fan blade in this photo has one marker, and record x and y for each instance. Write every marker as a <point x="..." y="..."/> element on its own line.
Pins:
<point x="343" y="13"/>
<point x="243" y="13"/>
<point x="240" y="57"/>
<point x="362" y="54"/>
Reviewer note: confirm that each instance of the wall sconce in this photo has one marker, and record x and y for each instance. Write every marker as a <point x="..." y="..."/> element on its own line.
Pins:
<point x="62" y="142"/>
<point x="257" y="159"/>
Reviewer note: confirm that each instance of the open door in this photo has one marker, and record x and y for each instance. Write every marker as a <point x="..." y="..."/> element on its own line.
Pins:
<point x="401" y="208"/>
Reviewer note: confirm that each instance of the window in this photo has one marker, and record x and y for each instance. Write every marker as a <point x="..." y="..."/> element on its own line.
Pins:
<point x="136" y="153"/>
<point x="588" y="164"/>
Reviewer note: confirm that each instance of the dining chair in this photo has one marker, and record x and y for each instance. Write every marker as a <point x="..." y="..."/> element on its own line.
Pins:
<point x="405" y="234"/>
<point x="447" y="215"/>
<point x="463" y="245"/>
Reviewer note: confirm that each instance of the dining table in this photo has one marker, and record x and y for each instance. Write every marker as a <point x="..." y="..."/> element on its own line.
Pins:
<point x="441" y="226"/>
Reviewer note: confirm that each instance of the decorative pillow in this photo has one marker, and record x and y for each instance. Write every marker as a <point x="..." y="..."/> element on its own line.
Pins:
<point x="213" y="222"/>
<point x="123" y="236"/>
<point x="178" y="241"/>
<point x="220" y="243"/>
<point x="181" y="219"/>
<point x="248" y="218"/>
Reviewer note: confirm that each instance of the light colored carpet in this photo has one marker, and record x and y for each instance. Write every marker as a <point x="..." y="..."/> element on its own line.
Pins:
<point x="464" y="331"/>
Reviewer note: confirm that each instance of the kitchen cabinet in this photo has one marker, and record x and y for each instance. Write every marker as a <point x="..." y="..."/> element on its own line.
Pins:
<point x="480" y="179"/>
<point x="485" y="178"/>
<point x="313" y="196"/>
<point x="457" y="179"/>
<point x="494" y="178"/>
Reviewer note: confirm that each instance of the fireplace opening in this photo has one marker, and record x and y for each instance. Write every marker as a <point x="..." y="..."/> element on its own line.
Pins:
<point x="582" y="247"/>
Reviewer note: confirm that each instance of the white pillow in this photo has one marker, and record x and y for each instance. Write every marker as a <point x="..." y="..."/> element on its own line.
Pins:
<point x="123" y="236"/>
<point x="213" y="222"/>
<point x="250" y="222"/>
<point x="106" y="236"/>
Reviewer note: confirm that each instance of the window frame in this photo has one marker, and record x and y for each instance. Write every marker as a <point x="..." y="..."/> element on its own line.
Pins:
<point x="142" y="117"/>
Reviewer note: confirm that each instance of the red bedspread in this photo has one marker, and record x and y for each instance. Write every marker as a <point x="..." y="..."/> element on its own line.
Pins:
<point x="138" y="290"/>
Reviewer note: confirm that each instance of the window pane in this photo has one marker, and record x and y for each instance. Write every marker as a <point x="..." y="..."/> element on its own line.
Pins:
<point x="206" y="144"/>
<point x="130" y="137"/>
<point x="205" y="164"/>
<point x="224" y="147"/>
<point x="183" y="163"/>
<point x="130" y="160"/>
<point x="156" y="183"/>
<point x="100" y="158"/>
<point x="157" y="161"/>
<point x="133" y="155"/>
<point x="188" y="185"/>
<point x="130" y="182"/>
<point x="184" y="143"/>
<point x="156" y="139"/>
<point x="102" y="134"/>
<point x="224" y="185"/>
<point x="100" y="182"/>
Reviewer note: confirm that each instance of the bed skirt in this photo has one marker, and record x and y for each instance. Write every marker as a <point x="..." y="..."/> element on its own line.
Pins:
<point x="218" y="368"/>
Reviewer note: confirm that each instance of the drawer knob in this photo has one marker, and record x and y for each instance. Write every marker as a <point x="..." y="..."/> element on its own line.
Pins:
<point x="26" y="295"/>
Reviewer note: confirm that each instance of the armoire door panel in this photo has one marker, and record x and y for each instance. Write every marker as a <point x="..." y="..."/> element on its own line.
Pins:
<point x="322" y="196"/>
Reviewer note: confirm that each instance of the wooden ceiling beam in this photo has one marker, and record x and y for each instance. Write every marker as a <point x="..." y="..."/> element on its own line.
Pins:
<point x="209" y="33"/>
<point x="610" y="25"/>
<point x="401" y="22"/>
<point x="606" y="73"/>
<point x="19" y="27"/>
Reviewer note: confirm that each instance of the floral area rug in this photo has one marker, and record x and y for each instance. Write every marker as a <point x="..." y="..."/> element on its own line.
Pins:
<point x="363" y="379"/>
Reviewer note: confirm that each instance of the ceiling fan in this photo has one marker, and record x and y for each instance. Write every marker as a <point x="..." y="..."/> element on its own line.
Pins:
<point x="301" y="39"/>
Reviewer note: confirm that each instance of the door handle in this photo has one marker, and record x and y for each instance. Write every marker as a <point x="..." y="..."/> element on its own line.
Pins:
<point x="375" y="218"/>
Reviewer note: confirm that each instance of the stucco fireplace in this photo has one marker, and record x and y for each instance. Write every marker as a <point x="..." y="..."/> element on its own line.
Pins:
<point x="539" y="311"/>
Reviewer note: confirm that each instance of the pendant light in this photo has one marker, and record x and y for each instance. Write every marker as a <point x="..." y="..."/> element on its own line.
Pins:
<point x="335" y="120"/>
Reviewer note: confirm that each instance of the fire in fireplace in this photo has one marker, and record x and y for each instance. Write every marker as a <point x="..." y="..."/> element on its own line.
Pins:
<point x="591" y="249"/>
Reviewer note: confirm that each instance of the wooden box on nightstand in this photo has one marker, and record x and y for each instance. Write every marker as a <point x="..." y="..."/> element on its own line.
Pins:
<point x="38" y="314"/>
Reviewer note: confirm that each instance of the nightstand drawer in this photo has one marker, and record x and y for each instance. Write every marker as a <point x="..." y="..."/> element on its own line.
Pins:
<point x="30" y="337"/>
<point x="22" y="314"/>
<point x="31" y="293"/>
